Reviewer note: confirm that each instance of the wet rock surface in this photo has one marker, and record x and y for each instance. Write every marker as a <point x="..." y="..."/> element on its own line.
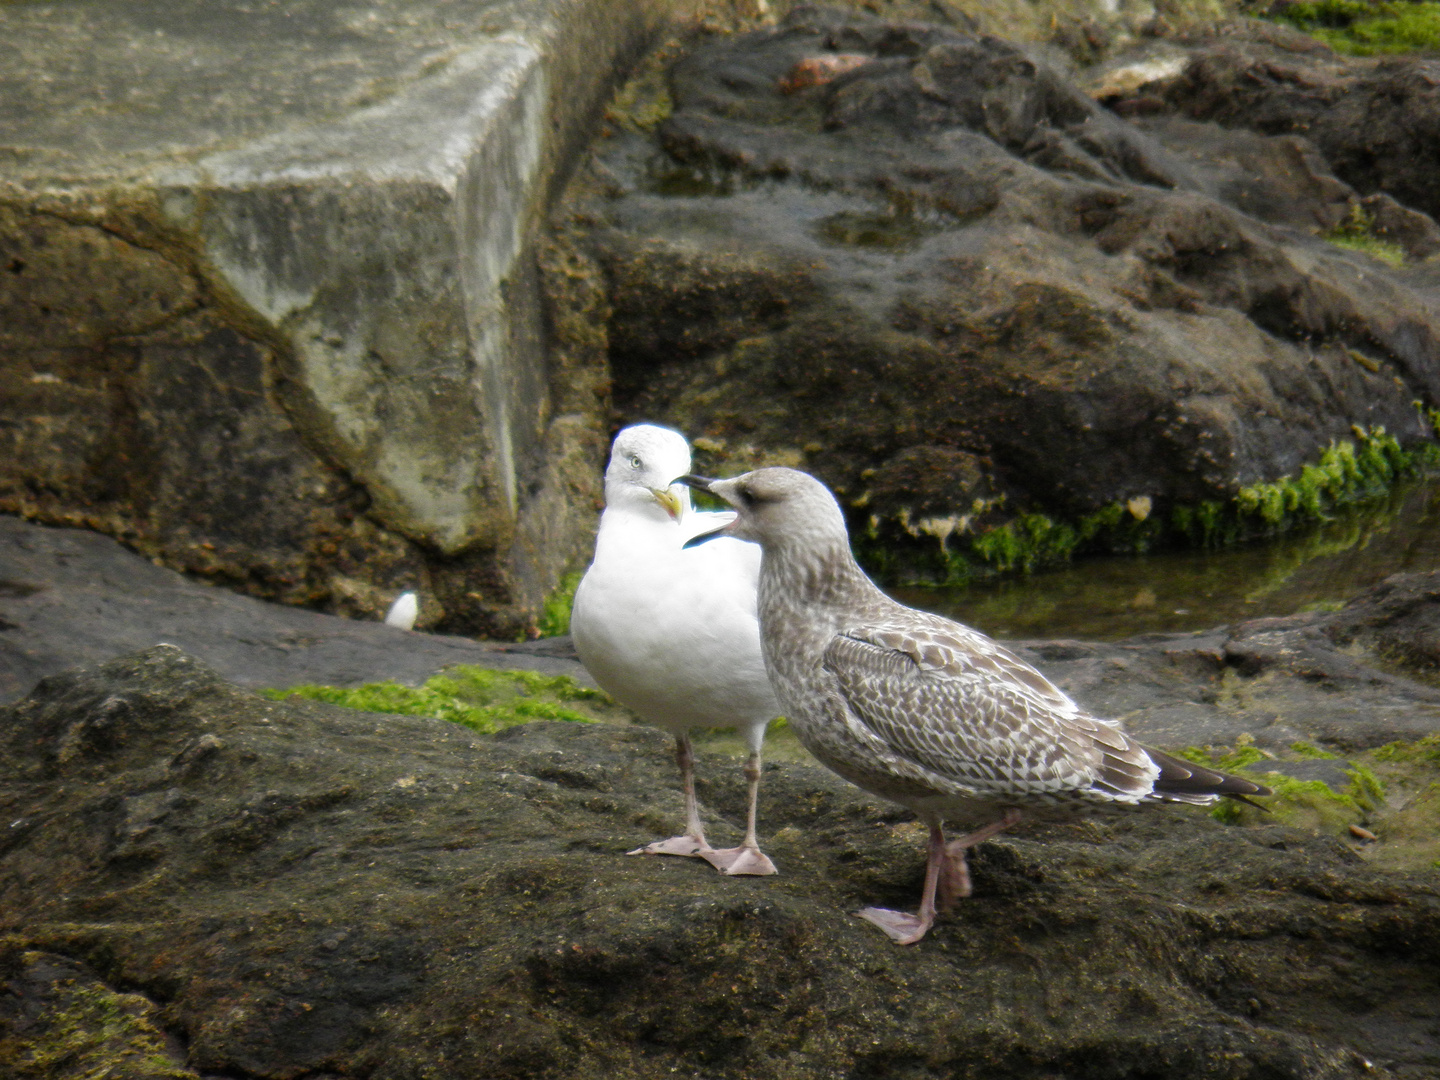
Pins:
<point x="1377" y="121"/>
<point x="1353" y="679"/>
<point x="70" y="597"/>
<point x="929" y="268"/>
<point x="281" y="890"/>
<point x="1399" y="620"/>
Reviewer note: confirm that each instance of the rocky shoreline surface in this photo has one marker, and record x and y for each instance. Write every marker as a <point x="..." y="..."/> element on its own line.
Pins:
<point x="196" y="881"/>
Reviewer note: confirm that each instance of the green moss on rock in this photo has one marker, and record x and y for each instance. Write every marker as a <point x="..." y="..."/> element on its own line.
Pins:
<point x="1393" y="794"/>
<point x="479" y="698"/>
<point x="1347" y="473"/>
<point x="1305" y="750"/>
<point x="1358" y="233"/>
<point x="555" y="613"/>
<point x="1361" y="28"/>
<point x="1432" y="417"/>
<point x="1306" y="804"/>
<point x="79" y="1028"/>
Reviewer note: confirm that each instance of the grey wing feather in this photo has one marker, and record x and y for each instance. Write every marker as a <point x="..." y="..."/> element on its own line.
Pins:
<point x="966" y="709"/>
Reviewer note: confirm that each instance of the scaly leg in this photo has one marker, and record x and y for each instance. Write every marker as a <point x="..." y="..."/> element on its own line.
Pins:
<point x="747" y="858"/>
<point x="955" y="874"/>
<point x="693" y="842"/>
<point x="904" y="928"/>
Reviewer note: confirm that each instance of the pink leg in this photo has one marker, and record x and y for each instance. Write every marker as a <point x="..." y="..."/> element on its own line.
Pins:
<point x="747" y="858"/>
<point x="903" y="928"/>
<point x="693" y="842"/>
<point x="955" y="875"/>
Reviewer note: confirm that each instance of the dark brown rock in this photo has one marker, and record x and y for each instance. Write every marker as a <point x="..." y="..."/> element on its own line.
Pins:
<point x="926" y="480"/>
<point x="951" y="249"/>
<point x="1377" y="121"/>
<point x="1398" y="619"/>
<point x="1346" y="680"/>
<point x="71" y="596"/>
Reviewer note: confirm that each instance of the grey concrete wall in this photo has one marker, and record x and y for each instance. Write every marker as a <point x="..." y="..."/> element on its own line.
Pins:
<point x="269" y="304"/>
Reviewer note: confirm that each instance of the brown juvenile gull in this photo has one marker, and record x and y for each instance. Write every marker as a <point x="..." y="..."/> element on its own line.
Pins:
<point x="921" y="710"/>
<point x="672" y="632"/>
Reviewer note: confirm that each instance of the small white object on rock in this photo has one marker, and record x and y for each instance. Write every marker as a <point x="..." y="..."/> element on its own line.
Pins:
<point x="1126" y="77"/>
<point x="403" y="611"/>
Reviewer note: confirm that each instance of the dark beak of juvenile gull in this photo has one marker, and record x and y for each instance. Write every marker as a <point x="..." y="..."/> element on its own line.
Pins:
<point x="699" y="483"/>
<point x="702" y="483"/>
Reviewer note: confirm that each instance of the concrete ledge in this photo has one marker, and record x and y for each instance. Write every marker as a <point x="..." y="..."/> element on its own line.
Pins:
<point x="380" y="246"/>
<point x="264" y="272"/>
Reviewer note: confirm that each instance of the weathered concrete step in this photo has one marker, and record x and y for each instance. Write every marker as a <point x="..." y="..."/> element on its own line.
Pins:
<point x="269" y="301"/>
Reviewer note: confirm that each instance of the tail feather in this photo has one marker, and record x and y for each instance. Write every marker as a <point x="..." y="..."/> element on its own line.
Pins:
<point x="1186" y="781"/>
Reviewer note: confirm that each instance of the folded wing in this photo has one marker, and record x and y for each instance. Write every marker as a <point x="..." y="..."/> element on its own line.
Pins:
<point x="961" y="707"/>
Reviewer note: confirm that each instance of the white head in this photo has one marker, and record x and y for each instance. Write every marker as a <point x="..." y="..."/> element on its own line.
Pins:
<point x="645" y="464"/>
<point x="782" y="508"/>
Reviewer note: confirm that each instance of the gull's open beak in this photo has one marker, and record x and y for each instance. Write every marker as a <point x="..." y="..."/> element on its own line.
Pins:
<point x="700" y="538"/>
<point x="702" y="483"/>
<point x="669" y="500"/>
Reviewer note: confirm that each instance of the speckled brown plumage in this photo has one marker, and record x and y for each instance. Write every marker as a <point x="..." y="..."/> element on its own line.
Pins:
<point x="921" y="709"/>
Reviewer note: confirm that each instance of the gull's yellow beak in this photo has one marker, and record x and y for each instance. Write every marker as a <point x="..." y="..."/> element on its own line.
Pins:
<point x="669" y="500"/>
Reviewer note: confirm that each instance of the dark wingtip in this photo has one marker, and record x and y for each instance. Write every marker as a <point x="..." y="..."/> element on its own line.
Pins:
<point x="1179" y="777"/>
<point x="1252" y="802"/>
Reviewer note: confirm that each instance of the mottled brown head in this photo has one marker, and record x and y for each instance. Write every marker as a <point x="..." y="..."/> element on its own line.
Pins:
<point x="779" y="509"/>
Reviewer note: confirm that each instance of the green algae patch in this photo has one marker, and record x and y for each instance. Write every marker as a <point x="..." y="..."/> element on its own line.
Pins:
<point x="1305" y="750"/>
<point x="1031" y="540"/>
<point x="643" y="103"/>
<point x="1305" y="804"/>
<point x="1424" y="751"/>
<point x="1358" y="233"/>
<point x="1348" y="473"/>
<point x="82" y="1029"/>
<point x="1392" y="798"/>
<point x="1360" y="28"/>
<point x="1410" y="834"/>
<point x="1408" y="825"/>
<point x="482" y="699"/>
<point x="1432" y="417"/>
<point x="555" y="613"/>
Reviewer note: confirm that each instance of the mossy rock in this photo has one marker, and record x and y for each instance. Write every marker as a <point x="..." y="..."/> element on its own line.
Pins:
<point x="1348" y="473"/>
<point x="1359" y="28"/>
<point x="482" y="699"/>
<point x="322" y="892"/>
<point x="68" y="1025"/>
<point x="1391" y="793"/>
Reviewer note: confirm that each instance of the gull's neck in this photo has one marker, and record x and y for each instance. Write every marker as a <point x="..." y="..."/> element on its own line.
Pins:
<point x="809" y="591"/>
<point x="633" y="532"/>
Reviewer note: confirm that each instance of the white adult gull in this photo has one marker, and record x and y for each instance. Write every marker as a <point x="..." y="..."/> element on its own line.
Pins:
<point x="921" y="710"/>
<point x="672" y="632"/>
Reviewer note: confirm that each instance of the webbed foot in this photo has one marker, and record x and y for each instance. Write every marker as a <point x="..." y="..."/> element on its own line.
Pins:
<point x="741" y="860"/>
<point x="902" y="927"/>
<point x="689" y="846"/>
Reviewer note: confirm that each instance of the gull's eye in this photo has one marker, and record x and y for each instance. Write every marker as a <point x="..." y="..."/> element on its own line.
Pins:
<point x="635" y="462"/>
